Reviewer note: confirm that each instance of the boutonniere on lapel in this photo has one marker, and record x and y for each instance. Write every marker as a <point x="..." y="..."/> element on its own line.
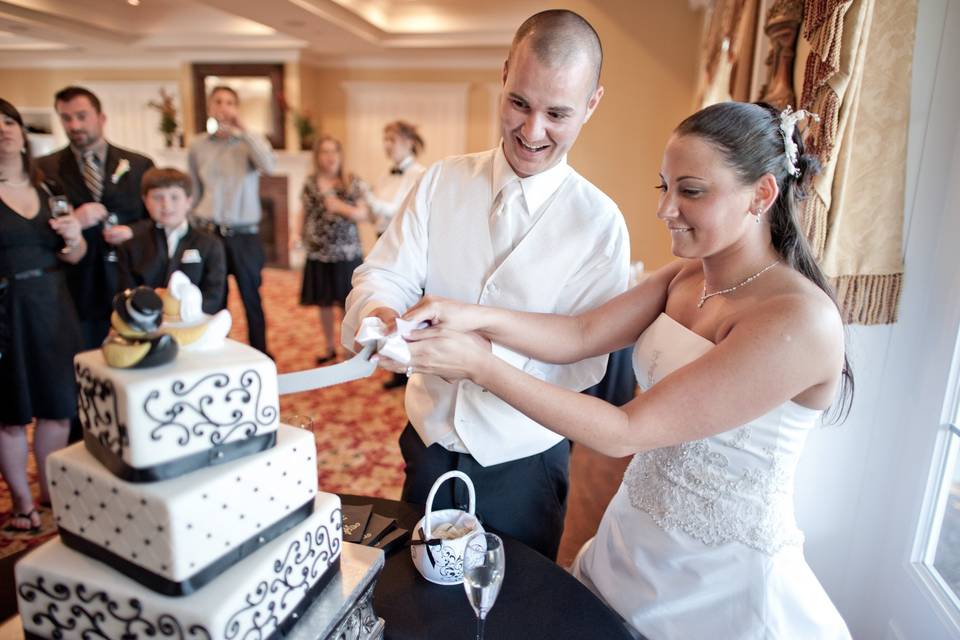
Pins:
<point x="122" y="167"/>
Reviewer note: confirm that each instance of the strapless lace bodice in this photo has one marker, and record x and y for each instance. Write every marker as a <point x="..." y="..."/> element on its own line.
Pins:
<point x="734" y="486"/>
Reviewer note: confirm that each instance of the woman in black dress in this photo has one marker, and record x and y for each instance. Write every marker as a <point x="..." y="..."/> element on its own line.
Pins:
<point x="332" y="206"/>
<point x="38" y="326"/>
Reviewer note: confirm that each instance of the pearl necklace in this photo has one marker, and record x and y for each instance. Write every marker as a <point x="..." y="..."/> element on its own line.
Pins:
<point x="11" y="183"/>
<point x="706" y="296"/>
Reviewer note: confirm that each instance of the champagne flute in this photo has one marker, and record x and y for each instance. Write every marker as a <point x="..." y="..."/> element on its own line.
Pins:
<point x="483" y="568"/>
<point x="108" y="223"/>
<point x="60" y="207"/>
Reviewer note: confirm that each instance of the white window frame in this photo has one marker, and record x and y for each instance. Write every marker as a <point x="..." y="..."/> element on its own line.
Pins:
<point x="939" y="481"/>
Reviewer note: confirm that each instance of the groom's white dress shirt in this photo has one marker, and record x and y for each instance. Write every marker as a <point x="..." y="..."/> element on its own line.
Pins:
<point x="570" y="253"/>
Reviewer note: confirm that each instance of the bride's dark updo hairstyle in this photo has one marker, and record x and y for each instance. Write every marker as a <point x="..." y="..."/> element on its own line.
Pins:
<point x="748" y="136"/>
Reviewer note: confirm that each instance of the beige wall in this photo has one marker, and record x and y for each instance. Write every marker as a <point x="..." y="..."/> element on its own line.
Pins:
<point x="650" y="60"/>
<point x="323" y="96"/>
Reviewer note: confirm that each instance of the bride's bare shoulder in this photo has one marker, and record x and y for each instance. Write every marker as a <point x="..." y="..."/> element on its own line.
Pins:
<point x="797" y="305"/>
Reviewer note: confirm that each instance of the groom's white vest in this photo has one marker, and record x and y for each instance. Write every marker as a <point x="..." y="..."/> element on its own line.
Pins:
<point x="547" y="272"/>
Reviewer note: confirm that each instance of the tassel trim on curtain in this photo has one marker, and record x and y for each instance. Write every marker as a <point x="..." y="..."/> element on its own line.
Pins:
<point x="868" y="299"/>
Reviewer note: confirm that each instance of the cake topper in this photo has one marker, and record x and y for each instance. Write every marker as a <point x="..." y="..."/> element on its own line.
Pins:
<point x="134" y="341"/>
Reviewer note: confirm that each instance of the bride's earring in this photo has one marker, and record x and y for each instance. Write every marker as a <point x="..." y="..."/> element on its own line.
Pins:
<point x="758" y="213"/>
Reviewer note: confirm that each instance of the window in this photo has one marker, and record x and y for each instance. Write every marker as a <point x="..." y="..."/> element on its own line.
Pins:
<point x="938" y="551"/>
<point x="946" y="547"/>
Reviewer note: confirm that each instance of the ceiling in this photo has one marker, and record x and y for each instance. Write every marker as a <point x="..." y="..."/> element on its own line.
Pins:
<point x="117" y="33"/>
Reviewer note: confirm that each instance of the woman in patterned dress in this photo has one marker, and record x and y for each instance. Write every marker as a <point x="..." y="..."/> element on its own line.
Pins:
<point x="332" y="206"/>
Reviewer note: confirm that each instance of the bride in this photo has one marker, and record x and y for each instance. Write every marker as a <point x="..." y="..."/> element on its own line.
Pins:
<point x="739" y="350"/>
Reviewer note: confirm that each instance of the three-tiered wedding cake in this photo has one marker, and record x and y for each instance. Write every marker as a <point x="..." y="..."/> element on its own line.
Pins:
<point x="187" y="512"/>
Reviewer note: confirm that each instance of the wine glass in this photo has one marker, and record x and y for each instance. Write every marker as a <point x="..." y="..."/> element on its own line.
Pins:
<point x="483" y="568"/>
<point x="60" y="207"/>
<point x="108" y="223"/>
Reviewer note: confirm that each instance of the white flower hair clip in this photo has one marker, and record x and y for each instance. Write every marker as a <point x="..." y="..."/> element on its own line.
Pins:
<point x="788" y="123"/>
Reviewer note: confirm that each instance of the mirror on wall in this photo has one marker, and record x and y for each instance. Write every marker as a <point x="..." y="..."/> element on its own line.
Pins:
<point x="259" y="87"/>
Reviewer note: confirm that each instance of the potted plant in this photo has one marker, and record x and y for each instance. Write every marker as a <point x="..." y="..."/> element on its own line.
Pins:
<point x="168" y="116"/>
<point x="301" y="122"/>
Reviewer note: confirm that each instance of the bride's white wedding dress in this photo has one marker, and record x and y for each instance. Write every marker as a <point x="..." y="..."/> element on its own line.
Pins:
<point x="700" y="540"/>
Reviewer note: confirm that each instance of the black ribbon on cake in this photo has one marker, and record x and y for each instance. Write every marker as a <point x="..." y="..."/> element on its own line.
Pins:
<point x="167" y="587"/>
<point x="218" y="454"/>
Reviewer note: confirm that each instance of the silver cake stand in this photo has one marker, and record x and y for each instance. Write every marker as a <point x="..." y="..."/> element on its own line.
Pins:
<point x="345" y="607"/>
<point x="343" y="610"/>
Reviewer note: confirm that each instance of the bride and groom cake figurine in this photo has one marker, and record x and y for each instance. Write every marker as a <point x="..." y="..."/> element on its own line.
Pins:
<point x="188" y="511"/>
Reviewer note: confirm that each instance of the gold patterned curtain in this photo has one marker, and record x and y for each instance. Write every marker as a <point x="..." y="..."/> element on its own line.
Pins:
<point x="727" y="51"/>
<point x="858" y="57"/>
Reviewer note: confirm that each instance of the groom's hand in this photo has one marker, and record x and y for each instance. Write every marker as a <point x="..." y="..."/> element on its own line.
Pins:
<point x="386" y="315"/>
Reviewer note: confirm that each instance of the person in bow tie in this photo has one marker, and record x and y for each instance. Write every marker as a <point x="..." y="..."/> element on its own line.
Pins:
<point x="167" y="243"/>
<point x="402" y="144"/>
<point x="512" y="226"/>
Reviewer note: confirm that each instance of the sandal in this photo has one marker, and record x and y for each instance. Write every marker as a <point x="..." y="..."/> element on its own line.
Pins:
<point x="32" y="516"/>
<point x="331" y="355"/>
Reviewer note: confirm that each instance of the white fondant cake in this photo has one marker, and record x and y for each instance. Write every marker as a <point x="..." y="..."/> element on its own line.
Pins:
<point x="203" y="408"/>
<point x="176" y="535"/>
<point x="66" y="595"/>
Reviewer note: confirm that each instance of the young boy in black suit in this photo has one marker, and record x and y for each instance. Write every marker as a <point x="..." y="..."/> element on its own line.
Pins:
<point x="166" y="243"/>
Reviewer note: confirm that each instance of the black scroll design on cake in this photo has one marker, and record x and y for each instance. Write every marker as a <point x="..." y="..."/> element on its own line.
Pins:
<point x="91" y="614"/>
<point x="212" y="406"/>
<point x="99" y="412"/>
<point x="278" y="599"/>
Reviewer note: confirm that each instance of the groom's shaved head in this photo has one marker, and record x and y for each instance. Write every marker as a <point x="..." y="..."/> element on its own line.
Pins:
<point x="559" y="37"/>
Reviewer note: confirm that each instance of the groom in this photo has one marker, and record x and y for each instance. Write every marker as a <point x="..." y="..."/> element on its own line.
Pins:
<point x="513" y="227"/>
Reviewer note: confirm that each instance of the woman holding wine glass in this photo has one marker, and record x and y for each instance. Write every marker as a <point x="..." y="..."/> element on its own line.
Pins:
<point x="739" y="349"/>
<point x="38" y="327"/>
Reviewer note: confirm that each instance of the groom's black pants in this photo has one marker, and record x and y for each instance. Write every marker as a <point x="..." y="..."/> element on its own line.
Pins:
<point x="526" y="499"/>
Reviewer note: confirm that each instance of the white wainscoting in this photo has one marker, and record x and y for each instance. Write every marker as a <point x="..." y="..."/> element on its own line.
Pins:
<point x="130" y="122"/>
<point x="437" y="109"/>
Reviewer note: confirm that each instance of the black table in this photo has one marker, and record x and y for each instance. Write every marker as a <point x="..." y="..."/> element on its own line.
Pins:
<point x="538" y="598"/>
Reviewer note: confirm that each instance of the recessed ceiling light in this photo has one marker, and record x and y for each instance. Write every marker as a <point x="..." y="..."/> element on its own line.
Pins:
<point x="133" y="3"/>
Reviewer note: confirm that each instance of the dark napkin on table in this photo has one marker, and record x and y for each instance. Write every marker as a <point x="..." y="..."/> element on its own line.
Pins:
<point x="355" y="519"/>
<point x="378" y="527"/>
<point x="392" y="541"/>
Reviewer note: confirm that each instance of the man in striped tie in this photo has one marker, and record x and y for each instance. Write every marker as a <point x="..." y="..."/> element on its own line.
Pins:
<point x="102" y="182"/>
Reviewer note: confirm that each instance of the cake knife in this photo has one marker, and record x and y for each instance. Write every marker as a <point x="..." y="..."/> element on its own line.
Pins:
<point x="359" y="366"/>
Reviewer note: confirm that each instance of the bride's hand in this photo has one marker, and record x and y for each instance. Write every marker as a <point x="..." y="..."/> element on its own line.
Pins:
<point x="438" y="351"/>
<point x="449" y="314"/>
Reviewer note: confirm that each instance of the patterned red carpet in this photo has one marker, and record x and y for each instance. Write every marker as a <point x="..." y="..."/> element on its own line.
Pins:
<point x="356" y="425"/>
